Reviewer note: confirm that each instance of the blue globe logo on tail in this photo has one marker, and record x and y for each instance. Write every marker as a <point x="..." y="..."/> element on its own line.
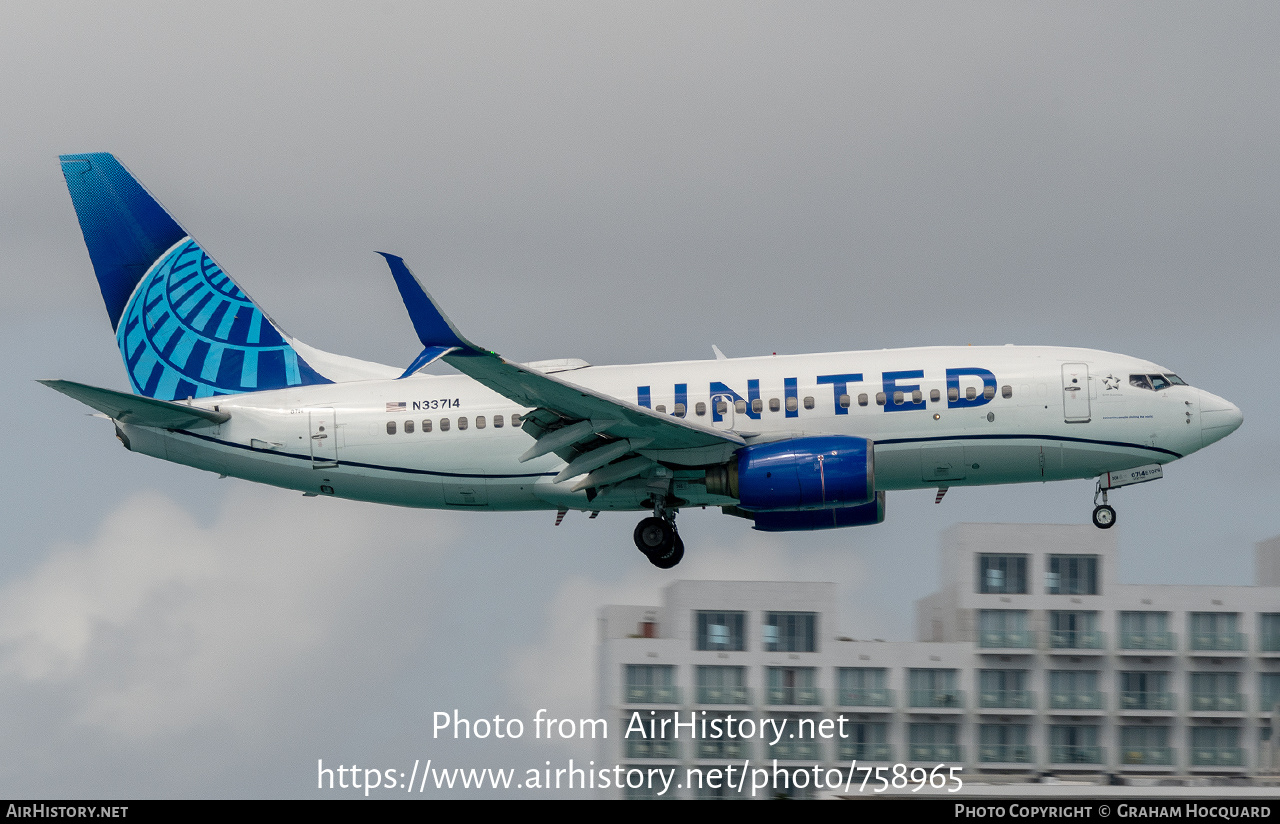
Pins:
<point x="189" y="332"/>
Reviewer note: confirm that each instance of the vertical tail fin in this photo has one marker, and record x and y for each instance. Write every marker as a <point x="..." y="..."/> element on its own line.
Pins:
<point x="183" y="326"/>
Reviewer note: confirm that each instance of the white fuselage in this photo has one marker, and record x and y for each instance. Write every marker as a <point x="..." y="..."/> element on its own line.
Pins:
<point x="1034" y="424"/>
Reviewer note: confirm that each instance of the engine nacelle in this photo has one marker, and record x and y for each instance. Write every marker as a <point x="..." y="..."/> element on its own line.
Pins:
<point x="865" y="515"/>
<point x="825" y="472"/>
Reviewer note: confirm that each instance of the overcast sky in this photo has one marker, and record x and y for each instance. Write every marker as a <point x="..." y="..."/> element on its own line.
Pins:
<point x="619" y="182"/>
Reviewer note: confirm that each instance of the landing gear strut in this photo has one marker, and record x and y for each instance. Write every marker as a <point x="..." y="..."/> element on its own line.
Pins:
<point x="1104" y="517"/>
<point x="657" y="538"/>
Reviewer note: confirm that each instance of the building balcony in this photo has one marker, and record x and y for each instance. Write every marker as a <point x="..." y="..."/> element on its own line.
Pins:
<point x="1077" y="701"/>
<point x="1217" y="757"/>
<point x="866" y="698"/>
<point x="943" y="753"/>
<point x="1269" y="642"/>
<point x="1064" y="754"/>
<point x="794" y="696"/>
<point x="657" y="748"/>
<point x="1148" y="641"/>
<point x="1007" y="699"/>
<point x="1009" y="639"/>
<point x="1091" y="640"/>
<point x="937" y="699"/>
<point x="732" y="750"/>
<point x="1219" y="642"/>
<point x="651" y="695"/>
<point x="1147" y="756"/>
<point x="1221" y="702"/>
<point x="723" y="695"/>
<point x="1007" y="754"/>
<point x="796" y="751"/>
<point x="1157" y="701"/>
<point x="850" y="750"/>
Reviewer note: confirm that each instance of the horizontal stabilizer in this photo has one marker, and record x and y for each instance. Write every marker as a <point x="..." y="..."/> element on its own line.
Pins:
<point x="137" y="410"/>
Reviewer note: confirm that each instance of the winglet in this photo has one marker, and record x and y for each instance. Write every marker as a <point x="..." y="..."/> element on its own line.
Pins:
<point x="433" y="328"/>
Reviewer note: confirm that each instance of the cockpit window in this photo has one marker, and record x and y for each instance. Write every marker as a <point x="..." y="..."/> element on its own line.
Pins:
<point x="1156" y="382"/>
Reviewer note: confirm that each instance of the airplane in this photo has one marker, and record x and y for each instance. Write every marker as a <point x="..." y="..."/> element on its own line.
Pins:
<point x="789" y="442"/>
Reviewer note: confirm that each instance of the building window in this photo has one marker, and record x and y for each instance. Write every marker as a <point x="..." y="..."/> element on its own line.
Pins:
<point x="1074" y="629"/>
<point x="724" y="631"/>
<point x="1003" y="629"/>
<point x="1215" y="631"/>
<point x="933" y="742"/>
<point x="934" y="688"/>
<point x="1216" y="746"/>
<point x="1002" y="574"/>
<point x="718" y="746"/>
<point x="863" y="687"/>
<point x="1145" y="691"/>
<point x="801" y="744"/>
<point x="791" y="631"/>
<point x="1216" y="692"/>
<point x="1072" y="575"/>
<point x="651" y="684"/>
<point x="722" y="685"/>
<point x="1145" y="745"/>
<point x="1003" y="688"/>
<point x="865" y="741"/>
<point x="1074" y="744"/>
<point x="1074" y="690"/>
<point x="1145" y="630"/>
<point x="1269" y="632"/>
<point x="792" y="686"/>
<point x="1004" y="743"/>
<point x="1268" y="691"/>
<point x="641" y="745"/>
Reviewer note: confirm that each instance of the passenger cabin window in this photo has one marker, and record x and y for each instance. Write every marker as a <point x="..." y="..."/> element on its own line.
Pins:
<point x="479" y="421"/>
<point x="774" y="406"/>
<point x="497" y="421"/>
<point x="988" y="392"/>
<point x="953" y="394"/>
<point x="679" y="410"/>
<point x="515" y="420"/>
<point x="1006" y="391"/>
<point x="722" y="408"/>
<point x="862" y="399"/>
<point x="808" y="401"/>
<point x="391" y="427"/>
<point x="897" y="399"/>
<point x="740" y="407"/>
<point x="662" y="407"/>
<point x="408" y="427"/>
<point x="462" y="422"/>
<point x="444" y="424"/>
<point x="970" y="393"/>
<point x="792" y="405"/>
<point x="935" y="395"/>
<point x="426" y="426"/>
<point x="757" y="405"/>
<point x="916" y="396"/>
<point x="844" y="402"/>
<point x="700" y="409"/>
<point x="880" y="399"/>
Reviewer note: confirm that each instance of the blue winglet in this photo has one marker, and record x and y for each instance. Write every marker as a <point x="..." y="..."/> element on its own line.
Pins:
<point x="429" y="355"/>
<point x="433" y="328"/>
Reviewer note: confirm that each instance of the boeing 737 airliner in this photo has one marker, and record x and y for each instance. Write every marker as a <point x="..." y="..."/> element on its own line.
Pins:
<point x="795" y="442"/>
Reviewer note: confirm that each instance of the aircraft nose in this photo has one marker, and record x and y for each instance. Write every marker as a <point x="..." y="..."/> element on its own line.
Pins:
<point x="1218" y="418"/>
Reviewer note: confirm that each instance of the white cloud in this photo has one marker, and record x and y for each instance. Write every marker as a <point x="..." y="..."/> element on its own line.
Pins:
<point x="160" y="624"/>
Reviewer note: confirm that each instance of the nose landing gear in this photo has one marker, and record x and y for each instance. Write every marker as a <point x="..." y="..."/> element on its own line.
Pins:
<point x="657" y="538"/>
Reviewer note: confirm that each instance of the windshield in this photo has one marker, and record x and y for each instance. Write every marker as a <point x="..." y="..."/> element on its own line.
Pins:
<point x="1156" y="382"/>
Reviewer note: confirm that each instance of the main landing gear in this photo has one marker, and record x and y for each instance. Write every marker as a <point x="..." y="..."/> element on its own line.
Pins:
<point x="1104" y="517"/>
<point x="657" y="538"/>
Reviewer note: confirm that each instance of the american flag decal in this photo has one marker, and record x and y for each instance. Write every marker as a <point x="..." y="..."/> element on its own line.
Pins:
<point x="395" y="406"/>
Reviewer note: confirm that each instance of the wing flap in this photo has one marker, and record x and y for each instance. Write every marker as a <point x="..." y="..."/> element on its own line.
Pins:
<point x="135" y="409"/>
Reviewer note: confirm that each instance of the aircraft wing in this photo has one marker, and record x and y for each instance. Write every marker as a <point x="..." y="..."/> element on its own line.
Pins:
<point x="136" y="409"/>
<point x="573" y="421"/>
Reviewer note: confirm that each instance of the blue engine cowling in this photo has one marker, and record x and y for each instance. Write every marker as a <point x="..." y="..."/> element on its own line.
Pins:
<point x="865" y="515"/>
<point x="825" y="472"/>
